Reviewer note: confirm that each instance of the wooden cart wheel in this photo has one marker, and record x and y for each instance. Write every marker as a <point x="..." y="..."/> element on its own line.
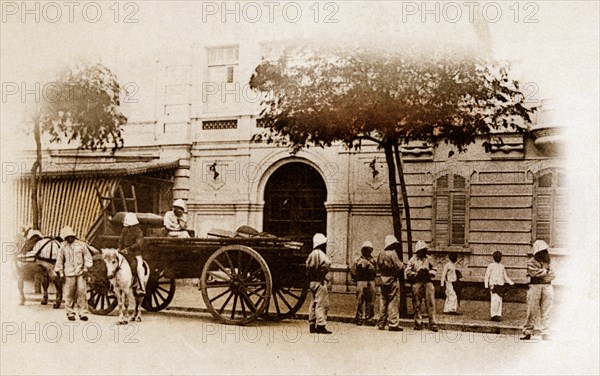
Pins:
<point x="285" y="302"/>
<point x="100" y="296"/>
<point x="101" y="301"/>
<point x="236" y="284"/>
<point x="159" y="291"/>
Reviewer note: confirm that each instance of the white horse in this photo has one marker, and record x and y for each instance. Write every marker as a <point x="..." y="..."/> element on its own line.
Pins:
<point x="119" y="273"/>
<point x="37" y="256"/>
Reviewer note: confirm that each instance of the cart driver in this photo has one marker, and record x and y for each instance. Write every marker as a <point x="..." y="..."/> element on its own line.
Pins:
<point x="131" y="244"/>
<point x="175" y="221"/>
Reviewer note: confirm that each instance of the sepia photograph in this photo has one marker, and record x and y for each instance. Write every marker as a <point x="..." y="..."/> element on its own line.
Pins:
<point x="306" y="187"/>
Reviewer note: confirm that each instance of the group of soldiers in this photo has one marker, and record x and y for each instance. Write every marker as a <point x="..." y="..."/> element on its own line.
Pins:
<point x="365" y="270"/>
<point x="420" y="270"/>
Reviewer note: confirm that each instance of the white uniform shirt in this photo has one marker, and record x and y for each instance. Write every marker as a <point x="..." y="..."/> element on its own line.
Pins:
<point x="495" y="275"/>
<point x="448" y="273"/>
<point x="173" y="223"/>
<point x="73" y="259"/>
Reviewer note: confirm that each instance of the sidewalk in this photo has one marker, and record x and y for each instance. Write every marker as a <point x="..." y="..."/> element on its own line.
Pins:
<point x="474" y="318"/>
<point x="474" y="313"/>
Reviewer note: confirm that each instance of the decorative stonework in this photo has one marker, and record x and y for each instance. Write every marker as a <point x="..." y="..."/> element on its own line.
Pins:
<point x="417" y="151"/>
<point x="214" y="177"/>
<point x="216" y="184"/>
<point x="507" y="147"/>
<point x="209" y="125"/>
<point x="376" y="178"/>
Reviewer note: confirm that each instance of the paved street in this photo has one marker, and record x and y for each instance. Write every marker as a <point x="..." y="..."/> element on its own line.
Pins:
<point x="39" y="340"/>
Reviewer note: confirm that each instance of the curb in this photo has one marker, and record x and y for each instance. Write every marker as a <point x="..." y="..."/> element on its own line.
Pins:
<point x="406" y="323"/>
<point x="474" y="327"/>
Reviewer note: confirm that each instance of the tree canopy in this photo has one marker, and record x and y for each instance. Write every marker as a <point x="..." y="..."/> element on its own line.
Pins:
<point x="83" y="105"/>
<point x="319" y="95"/>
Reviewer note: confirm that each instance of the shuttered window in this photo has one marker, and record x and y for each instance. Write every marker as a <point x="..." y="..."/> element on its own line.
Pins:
<point x="219" y="89"/>
<point x="450" y="211"/>
<point x="550" y="208"/>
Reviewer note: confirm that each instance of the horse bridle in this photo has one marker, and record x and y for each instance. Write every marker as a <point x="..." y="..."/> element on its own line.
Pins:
<point x="120" y="257"/>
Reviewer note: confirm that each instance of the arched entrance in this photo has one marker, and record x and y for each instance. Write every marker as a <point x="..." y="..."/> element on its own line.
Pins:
<point x="295" y="197"/>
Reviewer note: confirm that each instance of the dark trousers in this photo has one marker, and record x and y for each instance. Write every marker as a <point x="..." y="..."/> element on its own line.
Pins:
<point x="365" y="300"/>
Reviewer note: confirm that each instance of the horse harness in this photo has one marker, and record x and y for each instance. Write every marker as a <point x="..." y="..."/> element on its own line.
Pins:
<point x="32" y="258"/>
<point x="121" y="258"/>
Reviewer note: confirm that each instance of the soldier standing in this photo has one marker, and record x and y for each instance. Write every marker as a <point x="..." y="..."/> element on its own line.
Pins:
<point x="540" y="294"/>
<point x="363" y="272"/>
<point x="317" y="267"/>
<point x="420" y="270"/>
<point x="390" y="267"/>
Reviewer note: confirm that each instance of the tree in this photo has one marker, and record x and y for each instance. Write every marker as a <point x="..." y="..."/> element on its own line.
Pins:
<point x="349" y="94"/>
<point x="81" y="105"/>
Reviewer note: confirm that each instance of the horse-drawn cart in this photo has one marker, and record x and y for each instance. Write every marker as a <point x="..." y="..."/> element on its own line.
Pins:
<point x="241" y="278"/>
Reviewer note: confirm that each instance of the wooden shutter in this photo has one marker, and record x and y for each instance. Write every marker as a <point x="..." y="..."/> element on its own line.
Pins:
<point x="450" y="212"/>
<point x="459" y="205"/>
<point x="543" y="220"/>
<point x="550" y="209"/>
<point x="442" y="202"/>
<point x="559" y="221"/>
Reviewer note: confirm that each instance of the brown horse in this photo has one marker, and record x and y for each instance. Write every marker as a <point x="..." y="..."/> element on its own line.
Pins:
<point x="37" y="256"/>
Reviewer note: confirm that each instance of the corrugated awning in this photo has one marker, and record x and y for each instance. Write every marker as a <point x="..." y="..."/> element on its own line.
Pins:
<point x="64" y="202"/>
<point x="99" y="169"/>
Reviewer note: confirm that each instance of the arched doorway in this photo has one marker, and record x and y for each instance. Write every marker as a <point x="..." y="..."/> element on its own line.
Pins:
<point x="295" y="197"/>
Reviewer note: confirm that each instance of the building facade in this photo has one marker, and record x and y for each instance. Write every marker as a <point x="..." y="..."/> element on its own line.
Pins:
<point x="197" y="147"/>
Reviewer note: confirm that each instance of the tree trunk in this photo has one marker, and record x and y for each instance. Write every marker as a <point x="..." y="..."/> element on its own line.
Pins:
<point x="396" y="217"/>
<point x="36" y="170"/>
<point x="400" y="164"/>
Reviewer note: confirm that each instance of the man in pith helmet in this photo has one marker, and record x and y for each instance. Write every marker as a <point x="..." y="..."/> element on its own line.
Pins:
<point x="390" y="267"/>
<point x="131" y="245"/>
<point x="72" y="262"/>
<point x="363" y="271"/>
<point x="540" y="294"/>
<point x="317" y="267"/>
<point x="420" y="271"/>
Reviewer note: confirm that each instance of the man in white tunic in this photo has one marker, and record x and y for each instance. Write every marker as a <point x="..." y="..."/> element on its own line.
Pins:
<point x="73" y="261"/>
<point x="448" y="279"/>
<point x="175" y="221"/>
<point x="495" y="278"/>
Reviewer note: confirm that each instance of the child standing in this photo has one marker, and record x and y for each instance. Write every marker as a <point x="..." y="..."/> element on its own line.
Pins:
<point x="448" y="279"/>
<point x="495" y="278"/>
<point x="363" y="272"/>
<point x="73" y="261"/>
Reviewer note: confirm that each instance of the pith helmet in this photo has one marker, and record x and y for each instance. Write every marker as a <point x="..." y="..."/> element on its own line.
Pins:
<point x="367" y="244"/>
<point x="130" y="220"/>
<point x="66" y="232"/>
<point x="420" y="245"/>
<point x="31" y="233"/>
<point x="319" y="239"/>
<point x="390" y="242"/>
<point x="539" y="245"/>
<point x="179" y="203"/>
